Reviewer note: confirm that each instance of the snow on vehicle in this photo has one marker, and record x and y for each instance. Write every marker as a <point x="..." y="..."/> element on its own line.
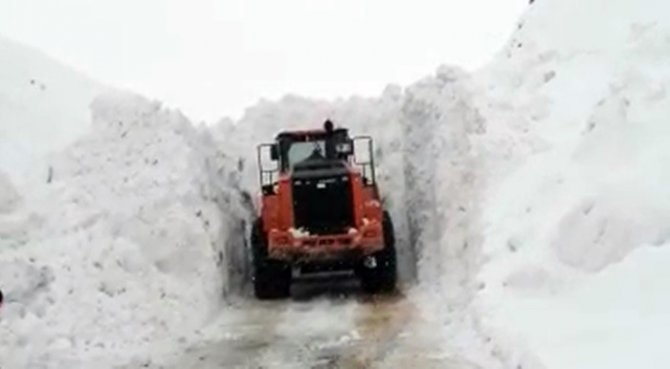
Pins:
<point x="320" y="210"/>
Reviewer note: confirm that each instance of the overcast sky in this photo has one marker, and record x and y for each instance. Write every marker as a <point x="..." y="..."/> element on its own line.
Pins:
<point x="215" y="57"/>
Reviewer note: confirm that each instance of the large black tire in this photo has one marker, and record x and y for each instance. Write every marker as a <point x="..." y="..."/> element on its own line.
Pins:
<point x="272" y="278"/>
<point x="382" y="278"/>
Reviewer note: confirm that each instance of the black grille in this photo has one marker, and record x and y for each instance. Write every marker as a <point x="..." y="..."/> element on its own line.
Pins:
<point x="323" y="205"/>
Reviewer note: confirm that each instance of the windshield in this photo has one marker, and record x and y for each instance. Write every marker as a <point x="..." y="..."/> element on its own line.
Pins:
<point x="300" y="151"/>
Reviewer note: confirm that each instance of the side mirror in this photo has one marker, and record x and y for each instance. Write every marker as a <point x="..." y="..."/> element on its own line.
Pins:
<point x="274" y="152"/>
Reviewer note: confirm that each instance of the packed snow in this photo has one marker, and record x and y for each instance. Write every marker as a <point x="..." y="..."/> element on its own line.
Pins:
<point x="531" y="201"/>
<point x="124" y="246"/>
<point x="577" y="213"/>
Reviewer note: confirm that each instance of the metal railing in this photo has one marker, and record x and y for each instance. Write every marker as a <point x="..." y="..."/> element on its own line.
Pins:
<point x="367" y="166"/>
<point x="266" y="175"/>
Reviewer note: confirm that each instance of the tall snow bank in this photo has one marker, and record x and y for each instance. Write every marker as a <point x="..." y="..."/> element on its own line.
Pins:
<point x="578" y="105"/>
<point x="122" y="250"/>
<point x="443" y="180"/>
<point x="43" y="107"/>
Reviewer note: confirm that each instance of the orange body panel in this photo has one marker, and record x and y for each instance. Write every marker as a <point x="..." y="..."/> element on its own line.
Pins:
<point x="286" y="243"/>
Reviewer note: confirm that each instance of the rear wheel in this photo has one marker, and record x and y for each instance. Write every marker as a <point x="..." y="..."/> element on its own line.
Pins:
<point x="272" y="278"/>
<point x="383" y="276"/>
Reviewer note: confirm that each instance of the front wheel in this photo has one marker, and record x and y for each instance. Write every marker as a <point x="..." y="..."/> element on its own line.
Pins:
<point x="272" y="278"/>
<point x="382" y="276"/>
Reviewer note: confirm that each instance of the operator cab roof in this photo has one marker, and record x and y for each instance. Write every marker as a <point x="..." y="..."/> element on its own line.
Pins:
<point x="309" y="135"/>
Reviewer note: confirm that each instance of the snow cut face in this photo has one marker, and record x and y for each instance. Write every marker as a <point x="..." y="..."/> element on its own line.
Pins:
<point x="129" y="245"/>
<point x="580" y="203"/>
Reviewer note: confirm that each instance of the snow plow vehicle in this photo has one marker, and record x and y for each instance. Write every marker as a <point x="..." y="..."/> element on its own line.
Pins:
<point x="320" y="211"/>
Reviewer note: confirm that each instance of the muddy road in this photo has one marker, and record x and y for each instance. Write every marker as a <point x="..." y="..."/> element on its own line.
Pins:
<point x="324" y="326"/>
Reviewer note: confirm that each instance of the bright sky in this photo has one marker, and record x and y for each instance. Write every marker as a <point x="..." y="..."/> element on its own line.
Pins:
<point x="213" y="58"/>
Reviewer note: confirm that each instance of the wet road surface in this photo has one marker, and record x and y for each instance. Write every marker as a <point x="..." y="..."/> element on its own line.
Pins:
<point x="340" y="328"/>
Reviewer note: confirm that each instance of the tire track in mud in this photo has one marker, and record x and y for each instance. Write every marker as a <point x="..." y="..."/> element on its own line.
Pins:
<point x="394" y="334"/>
<point x="379" y="322"/>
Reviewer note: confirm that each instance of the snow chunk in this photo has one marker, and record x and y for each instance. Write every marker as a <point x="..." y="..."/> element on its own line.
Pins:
<point x="299" y="232"/>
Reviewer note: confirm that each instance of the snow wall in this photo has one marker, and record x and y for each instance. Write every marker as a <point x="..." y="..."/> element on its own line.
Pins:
<point x="576" y="213"/>
<point x="123" y="246"/>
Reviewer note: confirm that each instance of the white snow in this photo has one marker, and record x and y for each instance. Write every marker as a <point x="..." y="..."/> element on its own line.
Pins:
<point x="298" y="232"/>
<point x="43" y="107"/>
<point x="125" y="251"/>
<point x="614" y="319"/>
<point x="577" y="215"/>
<point x="531" y="201"/>
<point x="9" y="197"/>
